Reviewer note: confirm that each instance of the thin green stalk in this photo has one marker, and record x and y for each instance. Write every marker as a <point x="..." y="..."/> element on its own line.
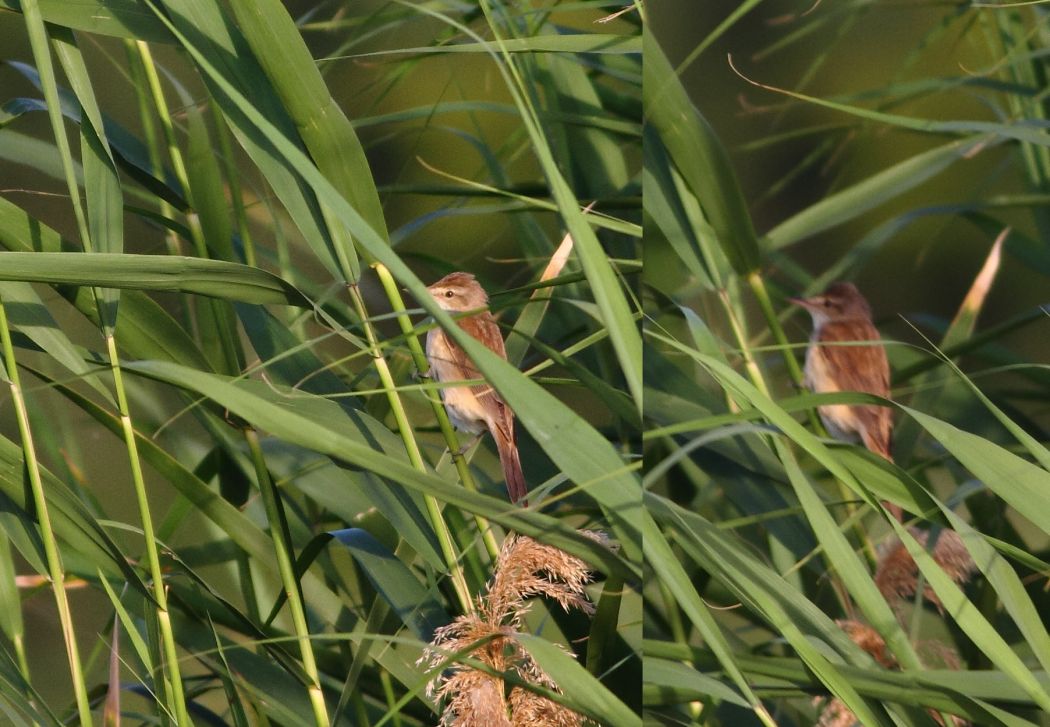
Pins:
<point x="225" y="338"/>
<point x="149" y="131"/>
<point x="437" y="521"/>
<point x="233" y="179"/>
<point x="53" y="557"/>
<point x="19" y="643"/>
<point x="419" y="358"/>
<point x="168" y="128"/>
<point x="750" y="365"/>
<point x="170" y="665"/>
<point x="758" y="287"/>
<point x="391" y="698"/>
<point x="285" y="565"/>
<point x="42" y="57"/>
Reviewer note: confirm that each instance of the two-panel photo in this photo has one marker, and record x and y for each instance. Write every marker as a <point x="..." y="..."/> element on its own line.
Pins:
<point x="524" y="363"/>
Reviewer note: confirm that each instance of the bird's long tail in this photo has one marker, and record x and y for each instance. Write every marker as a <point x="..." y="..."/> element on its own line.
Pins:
<point x="881" y="447"/>
<point x="517" y="489"/>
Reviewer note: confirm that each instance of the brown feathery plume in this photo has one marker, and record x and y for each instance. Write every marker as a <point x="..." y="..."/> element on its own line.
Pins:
<point x="530" y="708"/>
<point x="837" y="714"/>
<point x="524" y="569"/>
<point x="897" y="574"/>
<point x="868" y="639"/>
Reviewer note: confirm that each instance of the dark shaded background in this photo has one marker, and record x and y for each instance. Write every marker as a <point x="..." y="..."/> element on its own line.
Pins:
<point x="924" y="271"/>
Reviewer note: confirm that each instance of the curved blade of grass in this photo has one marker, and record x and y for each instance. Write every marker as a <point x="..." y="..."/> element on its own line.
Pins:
<point x="764" y="591"/>
<point x="414" y="604"/>
<point x="121" y="18"/>
<point x="325" y="129"/>
<point x="130" y="627"/>
<point x="701" y="159"/>
<point x="217" y="40"/>
<point x="582" y="690"/>
<point x="214" y="278"/>
<point x="672" y="682"/>
<point x="670" y="572"/>
<point x="1023" y="485"/>
<point x="580" y="451"/>
<point x="309" y="433"/>
<point x="873" y="191"/>
<point x="1032" y="131"/>
<point x="569" y="43"/>
<point x="1030" y="443"/>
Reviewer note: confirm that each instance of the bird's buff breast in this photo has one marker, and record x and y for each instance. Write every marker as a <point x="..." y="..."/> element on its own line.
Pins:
<point x="464" y="410"/>
<point x="839" y="419"/>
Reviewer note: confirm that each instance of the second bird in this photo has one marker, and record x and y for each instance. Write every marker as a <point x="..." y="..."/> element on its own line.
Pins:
<point x="842" y="316"/>
<point x="474" y="408"/>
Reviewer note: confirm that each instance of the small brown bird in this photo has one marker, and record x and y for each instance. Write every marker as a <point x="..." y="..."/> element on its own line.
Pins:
<point x="474" y="408"/>
<point x="841" y="315"/>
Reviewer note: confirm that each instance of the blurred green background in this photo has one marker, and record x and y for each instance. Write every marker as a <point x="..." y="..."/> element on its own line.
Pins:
<point x="789" y="154"/>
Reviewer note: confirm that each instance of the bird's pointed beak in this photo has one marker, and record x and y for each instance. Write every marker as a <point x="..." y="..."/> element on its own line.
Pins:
<point x="804" y="302"/>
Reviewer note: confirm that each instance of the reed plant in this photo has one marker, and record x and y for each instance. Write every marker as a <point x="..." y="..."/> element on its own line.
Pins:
<point x="780" y="590"/>
<point x="226" y="470"/>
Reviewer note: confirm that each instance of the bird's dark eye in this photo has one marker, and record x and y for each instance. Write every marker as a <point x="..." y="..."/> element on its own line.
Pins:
<point x="827" y="302"/>
<point x="449" y="294"/>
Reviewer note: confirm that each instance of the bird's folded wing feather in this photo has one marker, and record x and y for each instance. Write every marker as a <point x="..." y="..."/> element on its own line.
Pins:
<point x="484" y="328"/>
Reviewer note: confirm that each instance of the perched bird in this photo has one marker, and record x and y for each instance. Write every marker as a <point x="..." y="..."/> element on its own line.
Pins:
<point x="841" y="315"/>
<point x="474" y="408"/>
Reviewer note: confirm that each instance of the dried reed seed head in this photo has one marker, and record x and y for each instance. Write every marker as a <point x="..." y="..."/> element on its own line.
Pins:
<point x="456" y="636"/>
<point x="530" y="671"/>
<point x="868" y="639"/>
<point x="897" y="574"/>
<point x="527" y="568"/>
<point x="524" y="568"/>
<point x="475" y="699"/>
<point x="836" y="714"/>
<point x="459" y="636"/>
<point x="530" y="709"/>
<point x="938" y="655"/>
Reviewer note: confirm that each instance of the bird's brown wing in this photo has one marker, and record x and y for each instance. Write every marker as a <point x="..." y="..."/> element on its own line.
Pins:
<point x="484" y="328"/>
<point x="861" y="368"/>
